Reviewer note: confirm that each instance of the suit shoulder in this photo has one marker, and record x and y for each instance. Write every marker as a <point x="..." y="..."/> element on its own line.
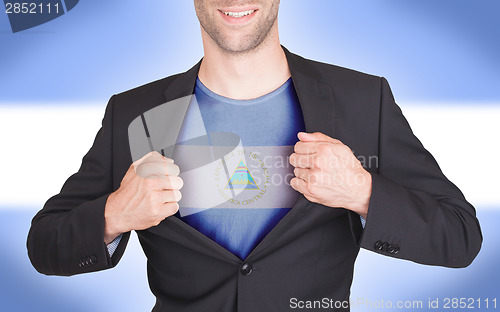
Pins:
<point x="129" y="104"/>
<point x="338" y="74"/>
<point x="154" y="89"/>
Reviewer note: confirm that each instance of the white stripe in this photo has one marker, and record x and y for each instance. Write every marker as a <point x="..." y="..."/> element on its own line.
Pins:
<point x="41" y="146"/>
<point x="266" y="175"/>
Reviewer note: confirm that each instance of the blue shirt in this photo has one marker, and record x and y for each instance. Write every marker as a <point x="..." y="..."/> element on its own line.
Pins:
<point x="267" y="127"/>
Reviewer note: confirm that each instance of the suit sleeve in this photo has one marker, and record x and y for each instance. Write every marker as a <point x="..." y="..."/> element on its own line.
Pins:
<point x="67" y="236"/>
<point x="415" y="212"/>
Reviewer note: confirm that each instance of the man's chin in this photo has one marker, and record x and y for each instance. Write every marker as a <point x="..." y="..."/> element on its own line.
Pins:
<point x="239" y="46"/>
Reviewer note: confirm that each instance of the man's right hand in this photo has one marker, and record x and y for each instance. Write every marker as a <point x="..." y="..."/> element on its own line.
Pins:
<point x="149" y="192"/>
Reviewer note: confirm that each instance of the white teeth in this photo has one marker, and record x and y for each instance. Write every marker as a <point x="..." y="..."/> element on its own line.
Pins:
<point x="239" y="14"/>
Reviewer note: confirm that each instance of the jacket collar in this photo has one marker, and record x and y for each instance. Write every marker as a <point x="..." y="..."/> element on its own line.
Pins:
<point x="315" y="96"/>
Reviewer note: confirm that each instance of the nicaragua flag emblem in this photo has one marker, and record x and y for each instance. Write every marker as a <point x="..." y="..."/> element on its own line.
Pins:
<point x="241" y="178"/>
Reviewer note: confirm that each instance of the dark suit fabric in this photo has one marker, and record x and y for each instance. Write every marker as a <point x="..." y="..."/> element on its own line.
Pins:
<point x="310" y="254"/>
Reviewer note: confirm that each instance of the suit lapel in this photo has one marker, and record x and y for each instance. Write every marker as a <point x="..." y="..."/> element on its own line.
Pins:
<point x="316" y="98"/>
<point x="318" y="109"/>
<point x="183" y="85"/>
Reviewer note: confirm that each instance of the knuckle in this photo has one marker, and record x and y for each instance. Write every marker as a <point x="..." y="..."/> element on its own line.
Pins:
<point x="158" y="220"/>
<point x="172" y="183"/>
<point x="177" y="170"/>
<point x="168" y="183"/>
<point x="173" y="169"/>
<point x="322" y="148"/>
<point x="346" y="150"/>
<point x="303" y="162"/>
<point x="177" y="195"/>
<point x="318" y="177"/>
<point x="297" y="147"/>
<point x="311" y="198"/>
<point x="180" y="182"/>
<point x="148" y="184"/>
<point x="172" y="208"/>
<point x="313" y="177"/>
<point x="327" y="149"/>
<point x="159" y="198"/>
<point x="154" y="157"/>
<point x="142" y="170"/>
<point x="143" y="166"/>
<point x="317" y="162"/>
<point x="166" y="196"/>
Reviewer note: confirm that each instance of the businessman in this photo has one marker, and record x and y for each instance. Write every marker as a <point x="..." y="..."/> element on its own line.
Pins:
<point x="297" y="239"/>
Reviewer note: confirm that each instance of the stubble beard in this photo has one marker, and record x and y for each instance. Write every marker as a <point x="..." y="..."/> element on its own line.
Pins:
<point x="249" y="43"/>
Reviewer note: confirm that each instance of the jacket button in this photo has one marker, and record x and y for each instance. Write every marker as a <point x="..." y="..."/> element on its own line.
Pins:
<point x="83" y="263"/>
<point x="385" y="245"/>
<point x="390" y="248"/>
<point x="246" y="269"/>
<point x="396" y="249"/>
<point x="93" y="260"/>
<point x="378" y="245"/>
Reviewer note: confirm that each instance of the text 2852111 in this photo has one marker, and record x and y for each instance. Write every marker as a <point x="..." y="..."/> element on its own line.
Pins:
<point x="32" y="8"/>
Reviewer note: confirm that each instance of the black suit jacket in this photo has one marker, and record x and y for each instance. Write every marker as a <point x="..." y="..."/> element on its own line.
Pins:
<point x="415" y="212"/>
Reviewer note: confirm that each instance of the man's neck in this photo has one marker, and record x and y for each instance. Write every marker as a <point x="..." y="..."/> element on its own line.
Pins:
<point x="244" y="76"/>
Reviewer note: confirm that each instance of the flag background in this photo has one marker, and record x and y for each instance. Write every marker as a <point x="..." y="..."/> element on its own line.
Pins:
<point x="440" y="57"/>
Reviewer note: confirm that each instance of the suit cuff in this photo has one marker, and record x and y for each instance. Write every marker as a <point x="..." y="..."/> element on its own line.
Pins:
<point x="113" y="245"/>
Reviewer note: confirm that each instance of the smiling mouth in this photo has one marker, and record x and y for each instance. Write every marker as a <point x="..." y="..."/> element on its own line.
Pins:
<point x="238" y="14"/>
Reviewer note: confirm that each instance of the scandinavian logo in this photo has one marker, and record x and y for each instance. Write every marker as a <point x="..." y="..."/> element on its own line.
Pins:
<point x="28" y="14"/>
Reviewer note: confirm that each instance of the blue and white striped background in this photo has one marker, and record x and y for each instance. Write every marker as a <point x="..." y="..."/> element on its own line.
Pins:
<point x="440" y="57"/>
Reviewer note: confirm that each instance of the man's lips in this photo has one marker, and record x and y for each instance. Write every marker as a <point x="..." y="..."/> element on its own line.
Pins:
<point x="237" y="16"/>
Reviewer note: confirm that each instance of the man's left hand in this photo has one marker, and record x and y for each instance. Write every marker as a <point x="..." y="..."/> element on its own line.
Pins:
<point x="327" y="172"/>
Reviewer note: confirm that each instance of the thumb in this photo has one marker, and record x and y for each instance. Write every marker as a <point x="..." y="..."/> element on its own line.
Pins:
<point x="152" y="156"/>
<point x="316" y="137"/>
<point x="143" y="158"/>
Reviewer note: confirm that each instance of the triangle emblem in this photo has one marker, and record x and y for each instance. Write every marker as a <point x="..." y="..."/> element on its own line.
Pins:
<point x="241" y="178"/>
